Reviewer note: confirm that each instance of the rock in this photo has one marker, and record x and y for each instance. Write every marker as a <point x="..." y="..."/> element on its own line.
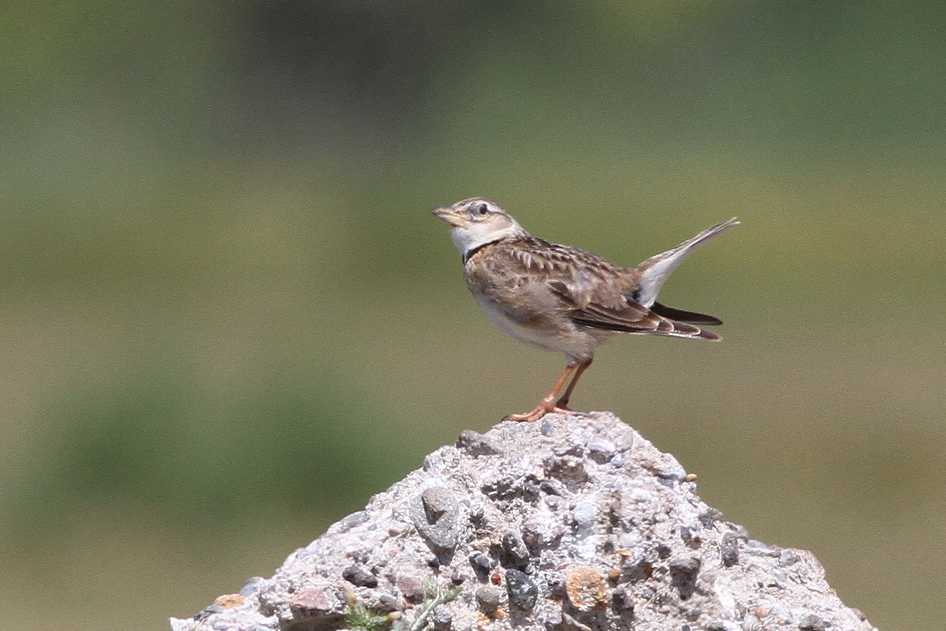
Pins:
<point x="476" y="444"/>
<point x="441" y="618"/>
<point x="489" y="598"/>
<point x="573" y="523"/>
<point x="587" y="590"/>
<point x="435" y="514"/>
<point x="359" y="577"/>
<point x="622" y="601"/>
<point x="515" y="549"/>
<point x="601" y="449"/>
<point x="683" y="575"/>
<point x="482" y="565"/>
<point x="522" y="591"/>
<point x="811" y="622"/>
<point x="729" y="549"/>
<point x="787" y="557"/>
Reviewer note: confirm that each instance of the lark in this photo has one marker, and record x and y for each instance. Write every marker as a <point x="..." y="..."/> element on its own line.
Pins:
<point x="565" y="299"/>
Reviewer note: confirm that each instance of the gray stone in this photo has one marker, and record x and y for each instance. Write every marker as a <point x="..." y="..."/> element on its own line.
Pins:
<point x="435" y="514"/>
<point x="601" y="449"/>
<point x="347" y="523"/>
<point x="591" y="545"/>
<point x="476" y="444"/>
<point x="787" y="557"/>
<point x="482" y="565"/>
<point x="729" y="549"/>
<point x="622" y="601"/>
<point x="441" y="618"/>
<point x="522" y="591"/>
<point x="359" y="577"/>
<point x="515" y="549"/>
<point x="811" y="622"/>
<point x="683" y="575"/>
<point x="488" y="597"/>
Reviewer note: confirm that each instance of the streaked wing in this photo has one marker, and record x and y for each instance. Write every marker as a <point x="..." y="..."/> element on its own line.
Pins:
<point x="600" y="300"/>
<point x="638" y="319"/>
<point x="585" y="288"/>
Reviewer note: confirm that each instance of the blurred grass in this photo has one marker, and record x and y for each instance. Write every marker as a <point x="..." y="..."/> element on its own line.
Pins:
<point x="230" y="319"/>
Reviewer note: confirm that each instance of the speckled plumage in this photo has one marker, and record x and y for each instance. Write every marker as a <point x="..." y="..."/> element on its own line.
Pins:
<point x="561" y="298"/>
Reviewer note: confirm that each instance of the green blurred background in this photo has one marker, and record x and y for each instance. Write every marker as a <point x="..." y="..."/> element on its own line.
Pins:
<point x="229" y="318"/>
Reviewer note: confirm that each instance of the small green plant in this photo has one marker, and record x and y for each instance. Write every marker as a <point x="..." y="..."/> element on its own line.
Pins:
<point x="360" y="617"/>
<point x="434" y="595"/>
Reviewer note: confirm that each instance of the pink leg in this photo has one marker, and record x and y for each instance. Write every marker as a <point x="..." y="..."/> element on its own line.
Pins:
<point x="548" y="404"/>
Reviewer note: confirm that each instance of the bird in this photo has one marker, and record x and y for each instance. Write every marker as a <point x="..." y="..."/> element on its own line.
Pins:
<point x="565" y="299"/>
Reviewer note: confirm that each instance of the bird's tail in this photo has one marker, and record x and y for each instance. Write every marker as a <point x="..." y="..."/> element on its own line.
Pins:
<point x="655" y="271"/>
<point x="672" y="328"/>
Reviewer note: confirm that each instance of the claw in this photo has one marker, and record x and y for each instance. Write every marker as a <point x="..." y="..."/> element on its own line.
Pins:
<point x="537" y="413"/>
<point x="549" y="404"/>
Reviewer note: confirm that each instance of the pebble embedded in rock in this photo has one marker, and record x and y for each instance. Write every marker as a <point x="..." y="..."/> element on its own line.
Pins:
<point x="522" y="590"/>
<point x="788" y="557"/>
<point x="567" y="469"/>
<point x="488" y="597"/>
<point x="638" y="569"/>
<point x="710" y="516"/>
<point x="411" y="587"/>
<point x="683" y="573"/>
<point x="350" y="521"/>
<point x="811" y="622"/>
<point x="761" y="549"/>
<point x="229" y="600"/>
<point x="585" y="516"/>
<point x="476" y="444"/>
<point x="515" y="548"/>
<point x="601" y="449"/>
<point x="440" y="618"/>
<point x="552" y="487"/>
<point x="252" y="586"/>
<point x="359" y="577"/>
<point x="622" y="601"/>
<point x="436" y="516"/>
<point x="318" y="601"/>
<point x="482" y="564"/>
<point x="388" y="603"/>
<point x="729" y="549"/>
<point x="437" y="502"/>
<point x="587" y="590"/>
<point x="541" y="528"/>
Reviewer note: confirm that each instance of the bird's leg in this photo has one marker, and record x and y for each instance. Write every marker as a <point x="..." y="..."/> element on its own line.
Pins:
<point x="581" y="368"/>
<point x="548" y="404"/>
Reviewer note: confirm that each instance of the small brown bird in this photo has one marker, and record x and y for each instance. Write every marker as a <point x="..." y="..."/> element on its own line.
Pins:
<point x="560" y="298"/>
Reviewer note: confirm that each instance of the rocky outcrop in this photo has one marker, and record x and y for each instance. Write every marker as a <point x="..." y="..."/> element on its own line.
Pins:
<point x="572" y="523"/>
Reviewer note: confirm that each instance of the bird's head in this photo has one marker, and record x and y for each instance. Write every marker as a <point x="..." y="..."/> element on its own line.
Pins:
<point x="476" y="221"/>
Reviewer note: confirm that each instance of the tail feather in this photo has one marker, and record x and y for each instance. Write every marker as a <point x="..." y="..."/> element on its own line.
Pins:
<point x="653" y="325"/>
<point x="690" y="317"/>
<point x="655" y="271"/>
<point x="682" y="329"/>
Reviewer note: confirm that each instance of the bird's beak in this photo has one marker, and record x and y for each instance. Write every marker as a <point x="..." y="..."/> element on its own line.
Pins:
<point x="448" y="214"/>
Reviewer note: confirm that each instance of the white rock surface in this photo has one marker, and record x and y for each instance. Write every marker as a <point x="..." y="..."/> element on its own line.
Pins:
<point x="569" y="524"/>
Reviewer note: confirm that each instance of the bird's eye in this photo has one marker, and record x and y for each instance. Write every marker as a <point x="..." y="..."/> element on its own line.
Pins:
<point x="481" y="210"/>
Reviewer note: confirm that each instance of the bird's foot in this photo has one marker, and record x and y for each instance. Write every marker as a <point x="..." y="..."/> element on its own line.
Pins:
<point x="544" y="407"/>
